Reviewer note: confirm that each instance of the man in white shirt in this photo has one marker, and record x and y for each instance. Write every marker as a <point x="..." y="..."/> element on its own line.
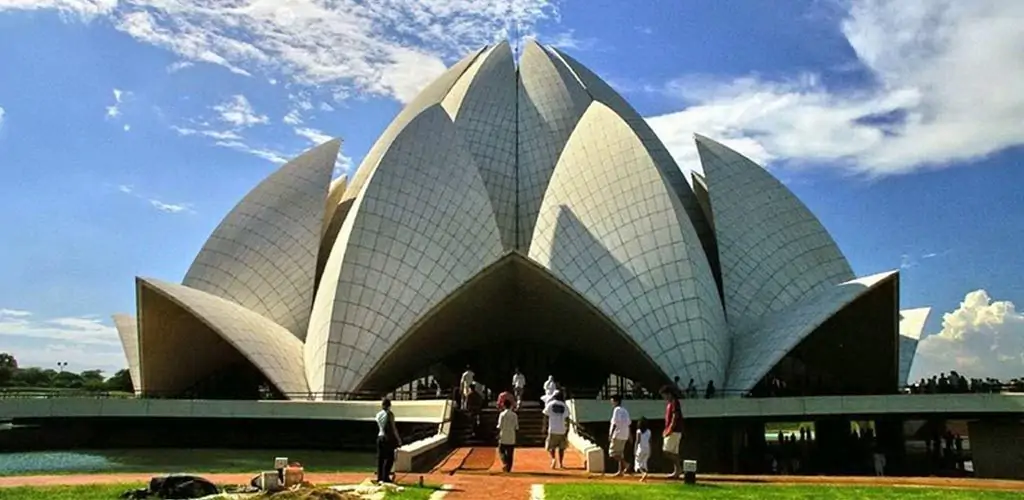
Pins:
<point x="508" y="424"/>
<point x="556" y="413"/>
<point x="618" y="434"/>
<point x="518" y="386"/>
<point x="466" y="387"/>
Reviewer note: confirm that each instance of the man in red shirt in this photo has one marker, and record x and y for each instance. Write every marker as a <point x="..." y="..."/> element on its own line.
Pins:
<point x="673" y="435"/>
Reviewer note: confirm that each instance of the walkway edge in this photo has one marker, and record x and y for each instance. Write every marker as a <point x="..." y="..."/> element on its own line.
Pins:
<point x="537" y="492"/>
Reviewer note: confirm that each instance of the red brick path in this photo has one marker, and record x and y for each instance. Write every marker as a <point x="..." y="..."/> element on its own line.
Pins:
<point x="532" y="466"/>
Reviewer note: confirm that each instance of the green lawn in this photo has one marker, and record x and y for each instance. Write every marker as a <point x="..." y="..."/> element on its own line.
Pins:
<point x="111" y="492"/>
<point x="581" y="491"/>
<point x="178" y="460"/>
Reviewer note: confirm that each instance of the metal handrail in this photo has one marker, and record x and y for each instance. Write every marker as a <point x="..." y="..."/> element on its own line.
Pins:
<point x="426" y="432"/>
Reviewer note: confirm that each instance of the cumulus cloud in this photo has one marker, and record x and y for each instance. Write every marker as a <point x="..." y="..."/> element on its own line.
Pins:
<point x="981" y="338"/>
<point x="383" y="47"/>
<point x="947" y="86"/>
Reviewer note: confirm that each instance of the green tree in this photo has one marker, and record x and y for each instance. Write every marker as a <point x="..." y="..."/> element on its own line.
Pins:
<point x="68" y="380"/>
<point x="8" y="367"/>
<point x="93" y="380"/>
<point x="33" y="377"/>
<point x="120" y="381"/>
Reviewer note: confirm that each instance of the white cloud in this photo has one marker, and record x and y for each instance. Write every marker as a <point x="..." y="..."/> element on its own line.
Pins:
<point x="383" y="47"/>
<point x="265" y="153"/>
<point x="908" y="261"/>
<point x="238" y="112"/>
<point x="948" y="78"/>
<point x="79" y="330"/>
<point x="294" y="117"/>
<point x="180" y="65"/>
<point x="2" y="112"/>
<point x="14" y="313"/>
<point x="171" y="208"/>
<point x="79" y="357"/>
<point x="981" y="338"/>
<point x="213" y="134"/>
<point x="114" y="110"/>
<point x="315" y="137"/>
<point x="86" y="9"/>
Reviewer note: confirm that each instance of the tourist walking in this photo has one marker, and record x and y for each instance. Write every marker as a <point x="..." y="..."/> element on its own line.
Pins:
<point x="556" y="413"/>
<point x="503" y="397"/>
<point x="388" y="441"/>
<point x="643" y="448"/>
<point x="466" y="387"/>
<point x="518" y="387"/>
<point x="618" y="434"/>
<point x="550" y="388"/>
<point x="673" y="435"/>
<point x="508" y="425"/>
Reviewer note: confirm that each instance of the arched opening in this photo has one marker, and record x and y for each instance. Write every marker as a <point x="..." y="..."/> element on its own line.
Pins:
<point x="854" y="352"/>
<point x="516" y="314"/>
<point x="181" y="356"/>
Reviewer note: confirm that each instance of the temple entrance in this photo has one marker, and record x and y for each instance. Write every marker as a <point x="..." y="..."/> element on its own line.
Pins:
<point x="495" y="364"/>
<point x="515" y="313"/>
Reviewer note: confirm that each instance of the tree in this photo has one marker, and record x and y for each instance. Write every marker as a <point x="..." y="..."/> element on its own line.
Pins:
<point x="68" y="380"/>
<point x="8" y="367"/>
<point x="120" y="381"/>
<point x="33" y="377"/>
<point x="93" y="380"/>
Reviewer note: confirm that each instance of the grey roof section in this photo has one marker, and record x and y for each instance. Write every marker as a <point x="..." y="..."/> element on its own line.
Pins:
<point x="128" y="329"/>
<point x="758" y="349"/>
<point x="551" y="101"/>
<point x="263" y="255"/>
<point x="483" y="106"/>
<point x="912" y="323"/>
<point x="272" y="349"/>
<point x="612" y="229"/>
<point x="422" y="227"/>
<point x="773" y="251"/>
<point x="432" y="94"/>
<point x="603" y="92"/>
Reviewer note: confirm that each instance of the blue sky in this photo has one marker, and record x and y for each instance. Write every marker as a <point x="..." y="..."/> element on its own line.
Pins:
<point x="128" y="129"/>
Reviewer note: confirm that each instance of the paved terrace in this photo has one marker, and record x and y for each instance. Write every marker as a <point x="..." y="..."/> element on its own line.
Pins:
<point x="435" y="411"/>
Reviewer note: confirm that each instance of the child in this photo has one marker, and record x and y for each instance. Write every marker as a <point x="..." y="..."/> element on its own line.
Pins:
<point x="643" y="448"/>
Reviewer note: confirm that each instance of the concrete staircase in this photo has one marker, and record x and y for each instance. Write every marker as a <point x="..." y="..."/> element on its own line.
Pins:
<point x="532" y="431"/>
<point x="481" y="430"/>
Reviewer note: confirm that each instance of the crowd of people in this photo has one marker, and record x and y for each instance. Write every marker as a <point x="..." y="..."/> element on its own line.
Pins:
<point x="954" y="383"/>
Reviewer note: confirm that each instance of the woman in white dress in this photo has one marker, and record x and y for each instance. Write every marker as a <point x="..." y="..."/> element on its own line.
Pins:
<point x="643" y="448"/>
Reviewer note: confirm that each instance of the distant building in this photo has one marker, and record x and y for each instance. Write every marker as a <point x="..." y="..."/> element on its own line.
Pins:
<point x="519" y="215"/>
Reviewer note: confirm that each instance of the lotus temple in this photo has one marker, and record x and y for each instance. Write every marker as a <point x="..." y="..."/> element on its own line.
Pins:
<point x="519" y="215"/>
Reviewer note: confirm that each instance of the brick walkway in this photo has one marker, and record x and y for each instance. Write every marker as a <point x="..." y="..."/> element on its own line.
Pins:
<point x="474" y="474"/>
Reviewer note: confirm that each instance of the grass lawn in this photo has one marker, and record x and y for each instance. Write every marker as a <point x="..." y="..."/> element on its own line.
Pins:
<point x="580" y="491"/>
<point x="178" y="460"/>
<point x="111" y="492"/>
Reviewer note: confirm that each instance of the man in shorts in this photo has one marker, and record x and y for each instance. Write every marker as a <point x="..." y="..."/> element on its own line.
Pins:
<point x="618" y="434"/>
<point x="672" y="437"/>
<point x="557" y="414"/>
